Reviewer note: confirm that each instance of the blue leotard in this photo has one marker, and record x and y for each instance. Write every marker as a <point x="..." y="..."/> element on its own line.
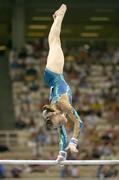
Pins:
<point x="59" y="86"/>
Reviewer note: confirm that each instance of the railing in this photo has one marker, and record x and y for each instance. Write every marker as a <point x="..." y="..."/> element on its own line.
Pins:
<point x="12" y="138"/>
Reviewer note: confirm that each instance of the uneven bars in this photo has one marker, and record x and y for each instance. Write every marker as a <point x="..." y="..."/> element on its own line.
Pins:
<point x="54" y="162"/>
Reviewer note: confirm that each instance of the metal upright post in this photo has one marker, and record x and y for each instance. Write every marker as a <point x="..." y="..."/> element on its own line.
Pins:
<point x="18" y="24"/>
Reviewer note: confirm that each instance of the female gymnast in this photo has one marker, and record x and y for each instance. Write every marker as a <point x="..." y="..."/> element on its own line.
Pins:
<point x="60" y="109"/>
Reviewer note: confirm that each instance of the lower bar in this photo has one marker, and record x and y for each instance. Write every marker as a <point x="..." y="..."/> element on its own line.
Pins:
<point x="54" y="162"/>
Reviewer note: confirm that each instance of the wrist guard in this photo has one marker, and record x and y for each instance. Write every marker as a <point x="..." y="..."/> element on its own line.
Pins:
<point x="63" y="155"/>
<point x="74" y="141"/>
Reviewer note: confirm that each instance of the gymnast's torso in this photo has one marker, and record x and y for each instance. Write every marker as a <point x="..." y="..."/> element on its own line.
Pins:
<point x="58" y="86"/>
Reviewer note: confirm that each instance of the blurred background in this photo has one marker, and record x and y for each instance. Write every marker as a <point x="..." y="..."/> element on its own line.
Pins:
<point x="90" y="41"/>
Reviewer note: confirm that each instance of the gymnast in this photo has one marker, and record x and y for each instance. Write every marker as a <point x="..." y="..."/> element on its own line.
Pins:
<point x="60" y="108"/>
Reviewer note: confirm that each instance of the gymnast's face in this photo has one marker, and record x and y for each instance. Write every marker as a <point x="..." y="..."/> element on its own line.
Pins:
<point x="53" y="117"/>
<point x="59" y="119"/>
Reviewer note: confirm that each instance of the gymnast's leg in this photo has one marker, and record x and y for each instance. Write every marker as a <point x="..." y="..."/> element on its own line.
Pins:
<point x="55" y="60"/>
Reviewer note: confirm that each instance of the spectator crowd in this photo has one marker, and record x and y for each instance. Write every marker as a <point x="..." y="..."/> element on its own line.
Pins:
<point x="92" y="73"/>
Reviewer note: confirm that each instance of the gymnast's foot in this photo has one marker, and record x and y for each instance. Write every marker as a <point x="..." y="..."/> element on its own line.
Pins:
<point x="60" y="12"/>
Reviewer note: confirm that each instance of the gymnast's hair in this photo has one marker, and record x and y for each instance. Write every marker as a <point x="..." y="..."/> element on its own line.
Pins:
<point x="48" y="113"/>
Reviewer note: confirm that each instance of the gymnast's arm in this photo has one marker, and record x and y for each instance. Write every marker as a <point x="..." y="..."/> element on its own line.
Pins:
<point x="73" y="115"/>
<point x="62" y="144"/>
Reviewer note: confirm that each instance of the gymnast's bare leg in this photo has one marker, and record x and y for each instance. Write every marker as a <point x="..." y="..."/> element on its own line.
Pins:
<point x="55" y="60"/>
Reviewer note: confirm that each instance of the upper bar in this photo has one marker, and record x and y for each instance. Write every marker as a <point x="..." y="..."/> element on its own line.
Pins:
<point x="54" y="162"/>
